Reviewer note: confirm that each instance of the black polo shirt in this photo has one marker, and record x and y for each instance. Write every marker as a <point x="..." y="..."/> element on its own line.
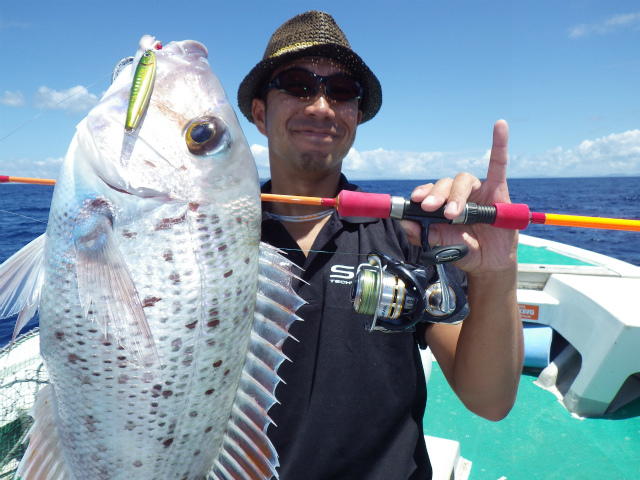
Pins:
<point x="352" y="402"/>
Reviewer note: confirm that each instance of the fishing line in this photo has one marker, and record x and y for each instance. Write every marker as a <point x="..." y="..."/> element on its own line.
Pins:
<point x="52" y="107"/>
<point x="24" y="216"/>
<point x="323" y="251"/>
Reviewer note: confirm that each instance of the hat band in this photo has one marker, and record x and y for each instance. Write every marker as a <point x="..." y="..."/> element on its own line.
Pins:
<point x="295" y="46"/>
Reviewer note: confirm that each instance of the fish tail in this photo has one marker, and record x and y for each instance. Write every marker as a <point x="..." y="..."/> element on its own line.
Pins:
<point x="43" y="459"/>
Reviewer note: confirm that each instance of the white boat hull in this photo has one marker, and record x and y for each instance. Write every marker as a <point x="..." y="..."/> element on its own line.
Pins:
<point x="591" y="304"/>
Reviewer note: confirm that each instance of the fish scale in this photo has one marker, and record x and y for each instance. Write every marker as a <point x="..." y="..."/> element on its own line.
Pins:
<point x="161" y="316"/>
<point x="161" y="411"/>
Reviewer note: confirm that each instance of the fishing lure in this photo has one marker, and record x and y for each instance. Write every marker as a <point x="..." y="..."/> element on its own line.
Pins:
<point x="141" y="90"/>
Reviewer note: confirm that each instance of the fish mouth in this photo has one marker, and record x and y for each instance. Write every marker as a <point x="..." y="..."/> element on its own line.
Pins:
<point x="141" y="192"/>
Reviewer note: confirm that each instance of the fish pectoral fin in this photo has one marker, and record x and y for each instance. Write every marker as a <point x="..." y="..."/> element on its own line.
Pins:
<point x="43" y="459"/>
<point x="107" y="292"/>
<point x="21" y="281"/>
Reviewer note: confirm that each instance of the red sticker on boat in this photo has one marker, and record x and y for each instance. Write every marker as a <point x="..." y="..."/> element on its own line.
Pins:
<point x="528" y="312"/>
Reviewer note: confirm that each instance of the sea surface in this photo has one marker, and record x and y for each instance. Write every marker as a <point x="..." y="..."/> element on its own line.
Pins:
<point x="24" y="210"/>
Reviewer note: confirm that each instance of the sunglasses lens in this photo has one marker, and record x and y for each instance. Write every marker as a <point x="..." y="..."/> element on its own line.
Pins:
<point x="297" y="82"/>
<point x="304" y="84"/>
<point x="343" y="88"/>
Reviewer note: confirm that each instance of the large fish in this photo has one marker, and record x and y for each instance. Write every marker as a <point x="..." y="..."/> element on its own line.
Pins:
<point x="146" y="281"/>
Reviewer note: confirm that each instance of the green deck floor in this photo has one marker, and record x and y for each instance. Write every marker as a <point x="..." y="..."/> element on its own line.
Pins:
<point x="535" y="255"/>
<point x="539" y="439"/>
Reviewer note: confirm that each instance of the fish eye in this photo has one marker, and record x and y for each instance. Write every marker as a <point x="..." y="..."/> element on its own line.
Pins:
<point x="206" y="136"/>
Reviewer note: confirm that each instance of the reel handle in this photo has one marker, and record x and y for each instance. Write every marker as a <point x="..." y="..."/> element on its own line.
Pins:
<point x="437" y="255"/>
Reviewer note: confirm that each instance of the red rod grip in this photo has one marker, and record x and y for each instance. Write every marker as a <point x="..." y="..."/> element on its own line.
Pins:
<point x="361" y="204"/>
<point x="538" y="218"/>
<point x="4" y="179"/>
<point x="515" y="216"/>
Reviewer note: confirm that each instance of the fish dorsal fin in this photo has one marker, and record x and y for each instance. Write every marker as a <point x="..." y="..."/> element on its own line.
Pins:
<point x="21" y="280"/>
<point x="246" y="451"/>
<point x="43" y="459"/>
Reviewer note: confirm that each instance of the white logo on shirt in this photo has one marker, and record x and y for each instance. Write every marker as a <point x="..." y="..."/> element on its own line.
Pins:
<point x="343" y="273"/>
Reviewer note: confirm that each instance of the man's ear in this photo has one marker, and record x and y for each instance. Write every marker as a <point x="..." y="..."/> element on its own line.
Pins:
<point x="259" y="112"/>
<point x="359" y="116"/>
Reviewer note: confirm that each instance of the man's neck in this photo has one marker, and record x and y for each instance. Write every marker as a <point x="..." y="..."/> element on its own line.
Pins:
<point x="310" y="186"/>
<point x="304" y="233"/>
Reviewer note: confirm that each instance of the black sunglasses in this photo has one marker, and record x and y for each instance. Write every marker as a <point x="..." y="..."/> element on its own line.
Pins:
<point x="302" y="83"/>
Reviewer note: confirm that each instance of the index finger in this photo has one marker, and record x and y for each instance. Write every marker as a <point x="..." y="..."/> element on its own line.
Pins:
<point x="498" y="161"/>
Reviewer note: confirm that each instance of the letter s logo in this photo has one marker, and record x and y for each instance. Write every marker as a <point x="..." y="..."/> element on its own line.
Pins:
<point x="342" y="271"/>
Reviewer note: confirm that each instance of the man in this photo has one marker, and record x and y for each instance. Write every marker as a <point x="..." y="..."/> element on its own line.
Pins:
<point x="353" y="401"/>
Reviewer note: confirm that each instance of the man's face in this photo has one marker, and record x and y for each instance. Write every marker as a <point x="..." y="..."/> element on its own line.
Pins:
<point x="307" y="135"/>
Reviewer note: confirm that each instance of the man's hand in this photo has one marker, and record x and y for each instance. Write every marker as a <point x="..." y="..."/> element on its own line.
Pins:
<point x="482" y="357"/>
<point x="491" y="249"/>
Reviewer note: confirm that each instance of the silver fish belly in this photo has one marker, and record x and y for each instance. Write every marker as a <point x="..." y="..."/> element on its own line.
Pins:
<point x="160" y="363"/>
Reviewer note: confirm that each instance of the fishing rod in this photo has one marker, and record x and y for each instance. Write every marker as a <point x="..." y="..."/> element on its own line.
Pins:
<point x="35" y="181"/>
<point x="516" y="216"/>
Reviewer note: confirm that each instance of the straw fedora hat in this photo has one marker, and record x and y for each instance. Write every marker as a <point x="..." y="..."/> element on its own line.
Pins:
<point x="311" y="33"/>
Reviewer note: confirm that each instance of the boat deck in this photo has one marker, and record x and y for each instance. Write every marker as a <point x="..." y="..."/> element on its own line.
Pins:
<point x="539" y="439"/>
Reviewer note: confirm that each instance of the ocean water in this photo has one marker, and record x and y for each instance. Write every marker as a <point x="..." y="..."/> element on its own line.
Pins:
<point x="24" y="210"/>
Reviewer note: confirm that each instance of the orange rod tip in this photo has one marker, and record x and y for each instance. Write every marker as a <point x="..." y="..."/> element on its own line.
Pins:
<point x="34" y="181"/>
<point x="270" y="197"/>
<point x="592" y="222"/>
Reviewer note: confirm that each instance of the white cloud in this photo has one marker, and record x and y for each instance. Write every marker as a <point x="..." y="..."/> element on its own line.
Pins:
<point x="615" y="154"/>
<point x="261" y="156"/>
<point x="12" y="99"/>
<point x="379" y="164"/>
<point x="610" y="25"/>
<point x="24" y="167"/>
<point x="73" y="100"/>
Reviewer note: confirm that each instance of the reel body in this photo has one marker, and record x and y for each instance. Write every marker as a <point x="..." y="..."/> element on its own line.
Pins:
<point x="399" y="294"/>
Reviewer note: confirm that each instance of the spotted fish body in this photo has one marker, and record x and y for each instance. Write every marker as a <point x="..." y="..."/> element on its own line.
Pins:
<point x="150" y="280"/>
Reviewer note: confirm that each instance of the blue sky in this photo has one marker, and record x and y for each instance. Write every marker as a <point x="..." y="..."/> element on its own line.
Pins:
<point x="564" y="74"/>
